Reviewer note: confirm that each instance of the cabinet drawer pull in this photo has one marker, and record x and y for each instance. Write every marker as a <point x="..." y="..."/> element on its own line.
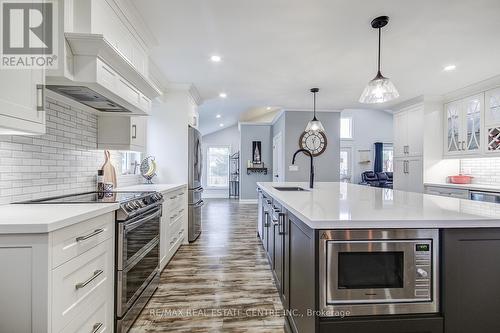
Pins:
<point x="97" y="327"/>
<point x="181" y="231"/>
<point x="180" y="211"/>
<point x="173" y="216"/>
<point x="40" y="97"/>
<point x="134" y="131"/>
<point x="172" y="198"/>
<point x="92" y="234"/>
<point x="90" y="279"/>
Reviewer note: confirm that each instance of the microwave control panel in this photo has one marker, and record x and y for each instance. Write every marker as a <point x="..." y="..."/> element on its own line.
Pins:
<point x="423" y="269"/>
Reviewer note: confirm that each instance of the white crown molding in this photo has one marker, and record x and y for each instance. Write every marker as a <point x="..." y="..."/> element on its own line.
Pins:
<point x="186" y="87"/>
<point x="128" y="13"/>
<point x="472" y="89"/>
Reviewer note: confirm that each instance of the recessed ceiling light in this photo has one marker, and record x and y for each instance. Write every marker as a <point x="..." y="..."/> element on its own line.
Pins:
<point x="449" y="68"/>
<point x="217" y="116"/>
<point x="268" y="108"/>
<point x="216" y="58"/>
<point x="222" y="95"/>
<point x="221" y="125"/>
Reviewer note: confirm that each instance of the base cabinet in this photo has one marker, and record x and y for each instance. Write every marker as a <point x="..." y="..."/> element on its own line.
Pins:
<point x="471" y="280"/>
<point x="384" y="325"/>
<point x="302" y="276"/>
<point x="172" y="225"/>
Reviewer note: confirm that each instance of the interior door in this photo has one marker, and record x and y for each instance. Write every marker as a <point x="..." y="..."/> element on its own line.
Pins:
<point x="278" y="170"/>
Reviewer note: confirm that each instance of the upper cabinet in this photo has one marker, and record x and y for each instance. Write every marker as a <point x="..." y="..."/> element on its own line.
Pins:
<point x="463" y="126"/>
<point x="408" y="127"/>
<point x="122" y="133"/>
<point x="22" y="102"/>
<point x="492" y="121"/>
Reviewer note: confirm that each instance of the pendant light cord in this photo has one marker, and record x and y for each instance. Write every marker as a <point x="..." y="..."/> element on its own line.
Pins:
<point x="379" y="37"/>
<point x="314" y="105"/>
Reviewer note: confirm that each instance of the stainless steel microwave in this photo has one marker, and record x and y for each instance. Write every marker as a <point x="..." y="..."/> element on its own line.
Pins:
<point x="374" y="272"/>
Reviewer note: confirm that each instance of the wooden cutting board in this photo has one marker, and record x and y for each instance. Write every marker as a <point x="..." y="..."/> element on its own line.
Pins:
<point x="109" y="171"/>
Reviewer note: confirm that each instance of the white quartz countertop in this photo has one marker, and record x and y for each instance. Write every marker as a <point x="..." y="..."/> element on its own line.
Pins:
<point x="348" y="206"/>
<point x="476" y="187"/>
<point x="152" y="187"/>
<point x="42" y="218"/>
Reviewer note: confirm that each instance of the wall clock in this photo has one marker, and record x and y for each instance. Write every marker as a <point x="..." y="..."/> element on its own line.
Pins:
<point x="313" y="141"/>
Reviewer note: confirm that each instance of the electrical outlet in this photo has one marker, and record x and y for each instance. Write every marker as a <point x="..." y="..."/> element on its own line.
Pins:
<point x="293" y="168"/>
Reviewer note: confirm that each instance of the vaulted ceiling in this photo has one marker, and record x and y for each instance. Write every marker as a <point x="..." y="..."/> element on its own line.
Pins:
<point x="273" y="51"/>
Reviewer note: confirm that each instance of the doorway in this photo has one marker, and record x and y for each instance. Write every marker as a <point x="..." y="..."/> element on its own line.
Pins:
<point x="278" y="169"/>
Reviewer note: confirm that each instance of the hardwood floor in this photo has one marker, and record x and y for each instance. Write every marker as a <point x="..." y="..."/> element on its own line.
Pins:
<point x="220" y="283"/>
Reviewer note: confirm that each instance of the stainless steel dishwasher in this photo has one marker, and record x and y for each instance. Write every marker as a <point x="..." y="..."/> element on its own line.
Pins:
<point x="485" y="196"/>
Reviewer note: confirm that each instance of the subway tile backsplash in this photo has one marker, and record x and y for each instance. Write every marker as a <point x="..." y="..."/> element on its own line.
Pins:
<point x="484" y="170"/>
<point x="62" y="161"/>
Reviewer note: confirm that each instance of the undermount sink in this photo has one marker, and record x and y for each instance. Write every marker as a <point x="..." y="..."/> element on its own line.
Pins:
<point x="289" y="188"/>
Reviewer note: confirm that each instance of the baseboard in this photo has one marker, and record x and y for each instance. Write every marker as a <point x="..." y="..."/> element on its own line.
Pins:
<point x="248" y="201"/>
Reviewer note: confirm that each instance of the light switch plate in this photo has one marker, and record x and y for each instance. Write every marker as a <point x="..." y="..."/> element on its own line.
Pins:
<point x="293" y="168"/>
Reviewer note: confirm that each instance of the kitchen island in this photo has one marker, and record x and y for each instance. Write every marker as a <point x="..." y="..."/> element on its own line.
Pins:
<point x="351" y="258"/>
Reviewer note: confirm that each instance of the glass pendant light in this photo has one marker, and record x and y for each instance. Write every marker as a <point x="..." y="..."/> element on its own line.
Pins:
<point x="314" y="125"/>
<point x="380" y="89"/>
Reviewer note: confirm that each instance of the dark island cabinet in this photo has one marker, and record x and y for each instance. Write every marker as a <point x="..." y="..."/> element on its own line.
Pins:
<point x="392" y="324"/>
<point x="301" y="277"/>
<point x="471" y="280"/>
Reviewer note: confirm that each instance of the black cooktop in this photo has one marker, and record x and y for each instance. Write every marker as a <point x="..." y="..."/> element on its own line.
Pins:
<point x="90" y="197"/>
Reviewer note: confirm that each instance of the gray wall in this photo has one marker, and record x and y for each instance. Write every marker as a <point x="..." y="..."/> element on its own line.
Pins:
<point x="228" y="137"/>
<point x="292" y="124"/>
<point x="369" y="126"/>
<point x="249" y="133"/>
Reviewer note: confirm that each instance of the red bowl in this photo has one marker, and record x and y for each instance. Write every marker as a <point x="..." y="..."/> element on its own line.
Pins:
<point x="460" y="179"/>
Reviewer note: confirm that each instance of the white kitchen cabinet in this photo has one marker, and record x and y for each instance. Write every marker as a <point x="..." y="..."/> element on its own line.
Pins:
<point x="408" y="174"/>
<point x="463" y="126"/>
<point x="447" y="192"/>
<point x="22" y="102"/>
<point x="56" y="284"/>
<point x="173" y="221"/>
<point x="408" y="129"/>
<point x="492" y="122"/>
<point x="122" y="133"/>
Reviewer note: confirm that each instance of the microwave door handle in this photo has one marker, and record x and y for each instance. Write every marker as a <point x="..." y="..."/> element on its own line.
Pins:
<point x="136" y="224"/>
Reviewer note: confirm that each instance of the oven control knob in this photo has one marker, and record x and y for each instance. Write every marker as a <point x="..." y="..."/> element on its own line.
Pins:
<point x="129" y="206"/>
<point x="422" y="273"/>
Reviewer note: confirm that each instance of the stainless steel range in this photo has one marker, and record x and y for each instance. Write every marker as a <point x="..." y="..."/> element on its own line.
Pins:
<point x="137" y="256"/>
<point x="137" y="247"/>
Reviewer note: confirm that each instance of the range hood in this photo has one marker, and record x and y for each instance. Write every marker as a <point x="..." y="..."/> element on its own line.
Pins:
<point x="98" y="76"/>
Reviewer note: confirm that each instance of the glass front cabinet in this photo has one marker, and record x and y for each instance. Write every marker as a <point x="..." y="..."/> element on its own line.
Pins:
<point x="463" y="126"/>
<point x="492" y="121"/>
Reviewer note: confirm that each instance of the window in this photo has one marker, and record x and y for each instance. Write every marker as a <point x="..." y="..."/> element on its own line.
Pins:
<point x="346" y="128"/>
<point x="218" y="166"/>
<point x="388" y="157"/>
<point x="130" y="163"/>
<point x="345" y="164"/>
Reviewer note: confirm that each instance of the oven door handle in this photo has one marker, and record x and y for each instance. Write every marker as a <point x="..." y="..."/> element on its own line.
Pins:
<point x="138" y="223"/>
<point x="199" y="204"/>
